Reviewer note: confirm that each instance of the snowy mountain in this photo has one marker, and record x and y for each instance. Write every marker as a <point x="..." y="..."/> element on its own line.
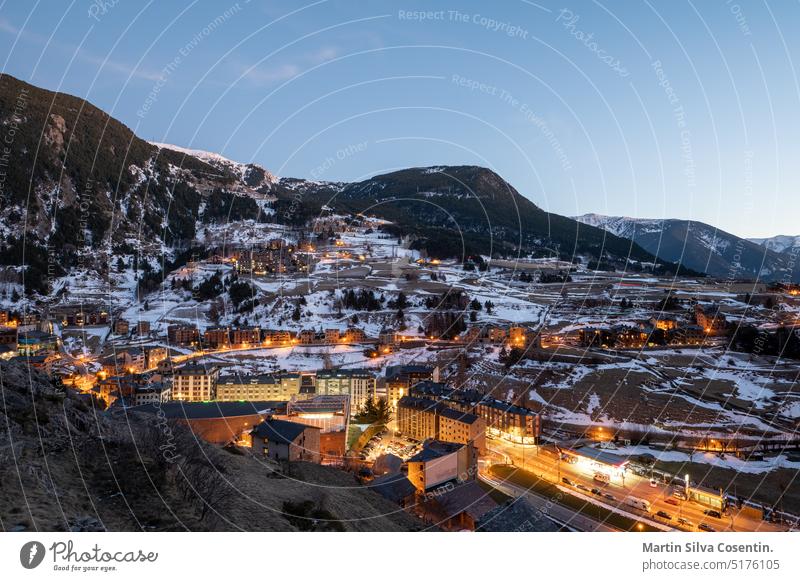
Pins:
<point x="699" y="246"/>
<point x="462" y="211"/>
<point x="619" y="225"/>
<point x="780" y="243"/>
<point x="83" y="189"/>
<point x="251" y="174"/>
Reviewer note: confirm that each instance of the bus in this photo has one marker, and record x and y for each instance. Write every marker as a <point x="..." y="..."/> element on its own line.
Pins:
<point x="639" y="503"/>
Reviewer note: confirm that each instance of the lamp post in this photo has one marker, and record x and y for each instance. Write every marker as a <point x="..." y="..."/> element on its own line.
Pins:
<point x="558" y="465"/>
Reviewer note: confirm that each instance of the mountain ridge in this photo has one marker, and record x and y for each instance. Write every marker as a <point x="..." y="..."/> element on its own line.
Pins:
<point x="82" y="188"/>
<point x="781" y="243"/>
<point x="699" y="246"/>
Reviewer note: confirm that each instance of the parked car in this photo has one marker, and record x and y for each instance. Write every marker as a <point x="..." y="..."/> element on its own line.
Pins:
<point x="596" y="491"/>
<point x="609" y="496"/>
<point x="653" y="482"/>
<point x="707" y="528"/>
<point x="567" y="481"/>
<point x="663" y="514"/>
<point x="686" y="523"/>
<point x="582" y="487"/>
<point x="712" y="513"/>
<point x="672" y="501"/>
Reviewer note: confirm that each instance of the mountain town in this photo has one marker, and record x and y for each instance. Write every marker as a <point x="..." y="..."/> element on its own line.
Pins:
<point x="463" y="370"/>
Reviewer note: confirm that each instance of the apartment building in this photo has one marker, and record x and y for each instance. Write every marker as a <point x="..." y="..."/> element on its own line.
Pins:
<point x="400" y="378"/>
<point x="183" y="335"/>
<point x="262" y="387"/>
<point x="359" y="384"/>
<point x="244" y="336"/>
<point x="500" y="418"/>
<point x="711" y="319"/>
<point x="217" y="337"/>
<point x="462" y="428"/>
<point x="195" y="383"/>
<point x="422" y="419"/>
<point x="248" y="388"/>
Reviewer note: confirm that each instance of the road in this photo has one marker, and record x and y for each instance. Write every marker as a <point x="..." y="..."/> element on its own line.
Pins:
<point x="550" y="468"/>
<point x="556" y="512"/>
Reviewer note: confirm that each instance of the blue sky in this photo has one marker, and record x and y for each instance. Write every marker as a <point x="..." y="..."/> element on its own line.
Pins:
<point x="654" y="109"/>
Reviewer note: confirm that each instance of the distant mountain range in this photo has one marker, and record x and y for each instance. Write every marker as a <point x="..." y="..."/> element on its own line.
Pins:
<point x="704" y="248"/>
<point x="778" y="243"/>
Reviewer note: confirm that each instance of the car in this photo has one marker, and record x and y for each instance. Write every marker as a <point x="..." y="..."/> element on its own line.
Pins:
<point x="653" y="483"/>
<point x="663" y="514"/>
<point x="672" y="501"/>
<point x="680" y="494"/>
<point x="707" y="528"/>
<point x="609" y="496"/>
<point x="567" y="481"/>
<point x="712" y="513"/>
<point x="596" y="491"/>
<point x="686" y="523"/>
<point x="582" y="487"/>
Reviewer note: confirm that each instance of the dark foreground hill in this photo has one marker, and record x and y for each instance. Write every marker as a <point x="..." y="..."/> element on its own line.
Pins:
<point x="67" y="466"/>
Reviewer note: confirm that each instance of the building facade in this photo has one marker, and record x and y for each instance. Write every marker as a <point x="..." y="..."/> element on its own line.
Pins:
<point x="285" y="441"/>
<point x="359" y="384"/>
<point x="400" y="378"/>
<point x="422" y="419"/>
<point x="195" y="383"/>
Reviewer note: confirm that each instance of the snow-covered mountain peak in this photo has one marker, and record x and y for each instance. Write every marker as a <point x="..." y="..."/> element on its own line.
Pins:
<point x="780" y="243"/>
<point x="245" y="171"/>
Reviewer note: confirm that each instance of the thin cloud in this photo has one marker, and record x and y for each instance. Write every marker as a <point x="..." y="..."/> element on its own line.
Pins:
<point x="83" y="54"/>
<point x="271" y="74"/>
